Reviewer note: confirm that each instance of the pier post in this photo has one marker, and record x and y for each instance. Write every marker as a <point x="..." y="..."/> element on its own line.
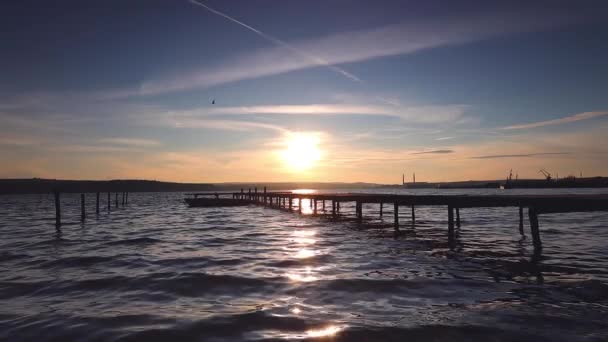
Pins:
<point x="290" y="203"/>
<point x="396" y="212"/>
<point x="116" y="200"/>
<point x="533" y="215"/>
<point x="381" y="208"/>
<point x="310" y="202"/>
<point x="450" y="223"/>
<point x="323" y="205"/>
<point x="82" y="214"/>
<point x="300" y="205"/>
<point x="109" y="201"/>
<point x="521" y="220"/>
<point x="457" y="217"/>
<point x="127" y="197"/>
<point x="97" y="203"/>
<point x="338" y="206"/>
<point x="314" y="205"/>
<point x="123" y="199"/>
<point x="265" y="196"/>
<point x="413" y="215"/>
<point x="249" y="194"/>
<point x="333" y="207"/>
<point x="57" y="210"/>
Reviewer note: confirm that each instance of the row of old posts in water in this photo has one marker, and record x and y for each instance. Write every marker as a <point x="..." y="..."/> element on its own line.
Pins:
<point x="124" y="200"/>
<point x="536" y="205"/>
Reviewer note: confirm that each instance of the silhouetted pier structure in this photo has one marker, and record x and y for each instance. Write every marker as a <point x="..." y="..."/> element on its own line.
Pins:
<point x="57" y="197"/>
<point x="536" y="205"/>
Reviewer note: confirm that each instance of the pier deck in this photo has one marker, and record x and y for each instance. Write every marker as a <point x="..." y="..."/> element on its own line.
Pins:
<point x="536" y="205"/>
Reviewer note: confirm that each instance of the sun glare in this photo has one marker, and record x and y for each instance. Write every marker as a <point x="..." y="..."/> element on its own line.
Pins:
<point x="302" y="151"/>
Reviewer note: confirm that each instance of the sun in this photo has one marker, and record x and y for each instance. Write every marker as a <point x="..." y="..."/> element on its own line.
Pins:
<point x="302" y="151"/>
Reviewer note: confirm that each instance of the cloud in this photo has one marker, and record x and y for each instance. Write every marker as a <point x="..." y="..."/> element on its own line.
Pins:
<point x="435" y="152"/>
<point x="422" y="114"/>
<point x="353" y="46"/>
<point x="129" y="142"/>
<point x="526" y="155"/>
<point x="568" y="119"/>
<point x="312" y="58"/>
<point x="181" y="121"/>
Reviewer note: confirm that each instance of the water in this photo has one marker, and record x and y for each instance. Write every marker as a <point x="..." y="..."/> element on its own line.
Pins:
<point x="159" y="270"/>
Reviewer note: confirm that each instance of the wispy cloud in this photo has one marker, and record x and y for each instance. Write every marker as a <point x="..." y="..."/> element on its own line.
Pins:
<point x="130" y="142"/>
<point x="525" y="155"/>
<point x="349" y="47"/>
<point x="422" y="114"/>
<point x="312" y="58"/>
<point x="568" y="119"/>
<point x="435" y="152"/>
<point x="189" y="121"/>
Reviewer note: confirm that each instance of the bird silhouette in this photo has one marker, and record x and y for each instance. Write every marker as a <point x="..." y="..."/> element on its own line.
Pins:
<point x="213" y="102"/>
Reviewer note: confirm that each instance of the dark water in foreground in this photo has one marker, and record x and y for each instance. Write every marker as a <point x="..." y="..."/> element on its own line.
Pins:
<point x="156" y="270"/>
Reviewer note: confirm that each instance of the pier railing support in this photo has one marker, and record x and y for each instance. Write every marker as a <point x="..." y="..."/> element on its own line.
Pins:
<point x="413" y="215"/>
<point x="396" y="210"/>
<point x="450" y="223"/>
<point x="82" y="211"/>
<point x="521" y="220"/>
<point x="97" y="203"/>
<point x="533" y="215"/>
<point x="57" y="210"/>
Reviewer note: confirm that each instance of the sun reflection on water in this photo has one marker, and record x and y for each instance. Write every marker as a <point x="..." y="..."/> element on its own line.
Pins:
<point x="329" y="330"/>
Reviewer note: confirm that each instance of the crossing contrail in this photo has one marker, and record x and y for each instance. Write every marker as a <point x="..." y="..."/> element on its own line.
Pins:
<point x="317" y="60"/>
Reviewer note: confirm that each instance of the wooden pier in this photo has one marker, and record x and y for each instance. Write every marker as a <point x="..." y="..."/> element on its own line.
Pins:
<point x="535" y="204"/>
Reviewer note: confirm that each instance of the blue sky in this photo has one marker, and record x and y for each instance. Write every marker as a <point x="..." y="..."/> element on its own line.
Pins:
<point x="449" y="90"/>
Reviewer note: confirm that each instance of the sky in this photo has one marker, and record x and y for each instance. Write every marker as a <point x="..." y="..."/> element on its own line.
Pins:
<point x="286" y="90"/>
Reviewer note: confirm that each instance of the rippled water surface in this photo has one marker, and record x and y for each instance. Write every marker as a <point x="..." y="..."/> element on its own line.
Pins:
<point x="157" y="270"/>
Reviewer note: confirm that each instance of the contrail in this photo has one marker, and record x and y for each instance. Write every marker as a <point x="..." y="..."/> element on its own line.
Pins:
<point x="317" y="60"/>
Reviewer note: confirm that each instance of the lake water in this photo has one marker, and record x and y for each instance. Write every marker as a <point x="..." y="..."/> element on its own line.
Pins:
<point x="157" y="270"/>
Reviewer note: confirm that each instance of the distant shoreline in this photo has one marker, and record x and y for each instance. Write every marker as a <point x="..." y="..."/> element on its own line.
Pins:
<point x="40" y="186"/>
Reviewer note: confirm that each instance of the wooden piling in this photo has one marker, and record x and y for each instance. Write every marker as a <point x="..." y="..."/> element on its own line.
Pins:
<point x="290" y="203"/>
<point x="396" y="212"/>
<point x="359" y="211"/>
<point x="333" y="207"/>
<point x="57" y="210"/>
<point x="116" y="200"/>
<point x="314" y="206"/>
<point x="413" y="215"/>
<point x="97" y="203"/>
<point x="127" y="197"/>
<point x="265" y="196"/>
<point x="457" y="217"/>
<point x="533" y="215"/>
<point x="521" y="220"/>
<point x="323" y="205"/>
<point x="300" y="205"/>
<point x="381" y="208"/>
<point x="450" y="223"/>
<point x="109" y="201"/>
<point x="338" y="206"/>
<point x="82" y="213"/>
